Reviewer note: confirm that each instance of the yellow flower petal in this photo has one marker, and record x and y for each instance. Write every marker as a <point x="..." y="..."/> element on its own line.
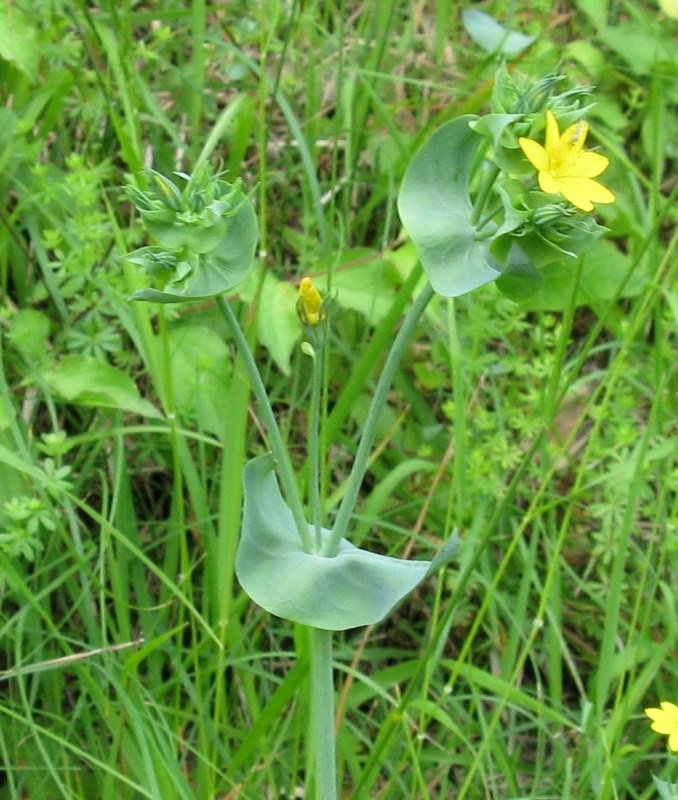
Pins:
<point x="669" y="7"/>
<point x="599" y="193"/>
<point x="576" y="190"/>
<point x="573" y="138"/>
<point x="565" y="168"/>
<point x="583" y="192"/>
<point x="552" y="141"/>
<point x="665" y="720"/>
<point x="534" y="152"/>
<point x="547" y="183"/>
<point x="589" y="165"/>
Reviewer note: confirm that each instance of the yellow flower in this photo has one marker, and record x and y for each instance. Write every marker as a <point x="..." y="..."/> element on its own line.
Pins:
<point x="665" y="720"/>
<point x="310" y="302"/>
<point x="564" y="167"/>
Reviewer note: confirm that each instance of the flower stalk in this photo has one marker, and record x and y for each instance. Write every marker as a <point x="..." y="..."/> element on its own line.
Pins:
<point x="359" y="468"/>
<point x="275" y="440"/>
<point x="317" y="358"/>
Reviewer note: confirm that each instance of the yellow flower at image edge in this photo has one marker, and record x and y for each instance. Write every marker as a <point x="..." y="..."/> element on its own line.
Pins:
<point x="564" y="167"/>
<point x="665" y="720"/>
<point x="310" y="302"/>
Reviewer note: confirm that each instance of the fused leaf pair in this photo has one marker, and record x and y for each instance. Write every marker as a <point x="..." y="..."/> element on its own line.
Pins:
<point x="206" y="235"/>
<point x="353" y="588"/>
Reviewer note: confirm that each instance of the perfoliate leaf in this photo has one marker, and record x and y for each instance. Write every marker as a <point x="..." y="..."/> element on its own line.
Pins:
<point x="213" y="273"/>
<point x="436" y="210"/>
<point x="353" y="588"/>
<point x="205" y="236"/>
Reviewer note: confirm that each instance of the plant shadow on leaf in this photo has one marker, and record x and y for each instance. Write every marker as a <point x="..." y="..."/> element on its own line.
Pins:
<point x="351" y="589"/>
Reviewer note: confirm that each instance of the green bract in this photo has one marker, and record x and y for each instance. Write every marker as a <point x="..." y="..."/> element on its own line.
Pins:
<point x="436" y="210"/>
<point x="353" y="588"/>
<point x="205" y="234"/>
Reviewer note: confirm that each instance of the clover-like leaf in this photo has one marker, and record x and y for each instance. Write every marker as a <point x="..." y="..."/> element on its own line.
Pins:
<point x="351" y="589"/>
<point x="436" y="210"/>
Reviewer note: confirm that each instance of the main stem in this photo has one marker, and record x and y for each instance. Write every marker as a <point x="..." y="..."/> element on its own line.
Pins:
<point x="322" y="715"/>
<point x="359" y="468"/>
<point x="285" y="470"/>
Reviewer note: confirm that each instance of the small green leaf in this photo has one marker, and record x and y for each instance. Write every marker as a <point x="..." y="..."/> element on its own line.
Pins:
<point x="491" y="36"/>
<point x="367" y="285"/>
<point x="436" y="210"/>
<point x="641" y="45"/>
<point x="201" y="366"/>
<point x="28" y="333"/>
<point x="278" y="327"/>
<point x="603" y="269"/>
<point x="89" y="382"/>
<point x="353" y="588"/>
<point x="18" y="42"/>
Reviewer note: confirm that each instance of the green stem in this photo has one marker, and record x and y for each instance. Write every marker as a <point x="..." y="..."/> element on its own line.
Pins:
<point x="355" y="479"/>
<point x="285" y="470"/>
<point x="322" y="715"/>
<point x="313" y="447"/>
<point x="459" y="423"/>
<point x="483" y="194"/>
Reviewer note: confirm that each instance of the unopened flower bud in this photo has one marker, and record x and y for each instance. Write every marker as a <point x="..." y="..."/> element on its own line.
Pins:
<point x="309" y="305"/>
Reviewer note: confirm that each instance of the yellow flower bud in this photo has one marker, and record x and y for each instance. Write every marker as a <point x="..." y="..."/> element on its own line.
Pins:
<point x="310" y="302"/>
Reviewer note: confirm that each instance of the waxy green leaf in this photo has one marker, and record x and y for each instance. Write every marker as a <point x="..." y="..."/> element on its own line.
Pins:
<point x="353" y="588"/>
<point x="206" y="275"/>
<point x="436" y="210"/>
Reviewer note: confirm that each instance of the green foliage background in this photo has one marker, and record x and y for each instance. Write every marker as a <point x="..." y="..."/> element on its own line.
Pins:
<point x="133" y="666"/>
